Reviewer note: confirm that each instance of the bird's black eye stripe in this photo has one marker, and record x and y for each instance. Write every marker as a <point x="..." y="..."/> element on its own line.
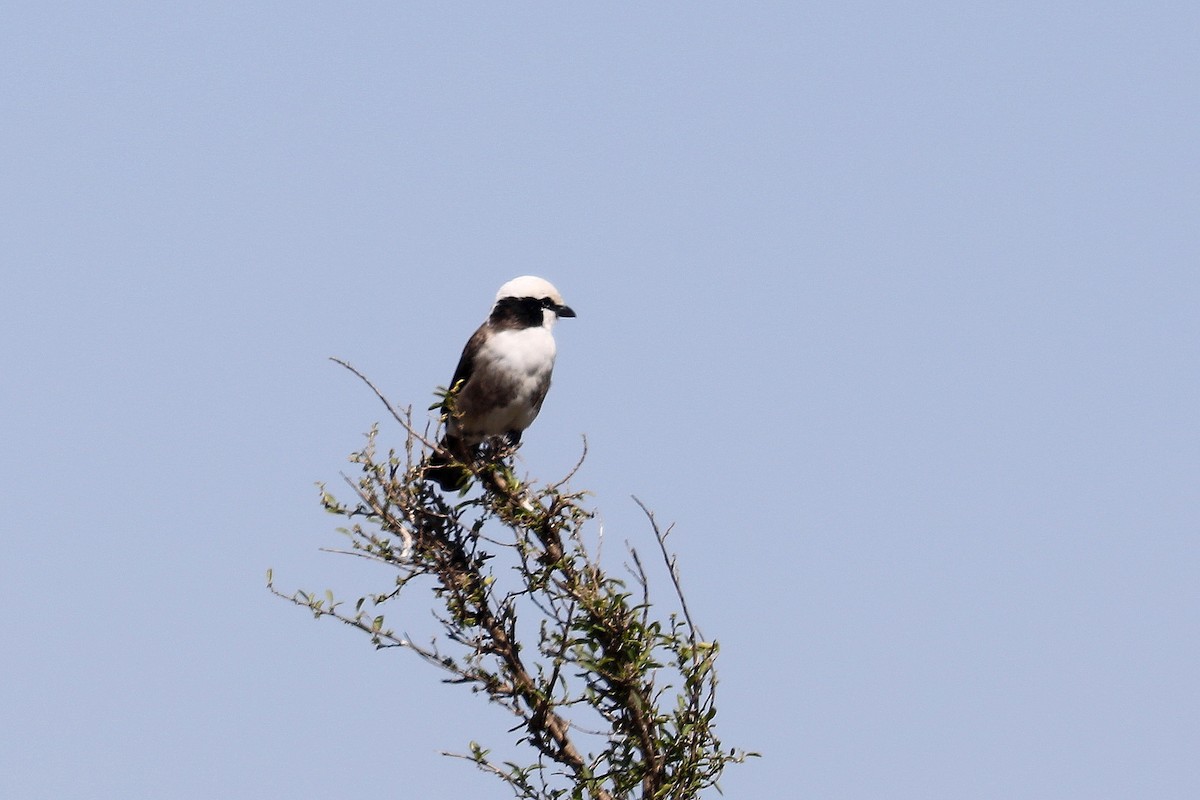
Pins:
<point x="547" y="303"/>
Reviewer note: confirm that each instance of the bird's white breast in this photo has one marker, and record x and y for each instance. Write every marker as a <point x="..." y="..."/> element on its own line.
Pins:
<point x="528" y="351"/>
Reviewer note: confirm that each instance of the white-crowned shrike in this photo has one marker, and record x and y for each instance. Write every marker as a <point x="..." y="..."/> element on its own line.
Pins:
<point x="502" y="377"/>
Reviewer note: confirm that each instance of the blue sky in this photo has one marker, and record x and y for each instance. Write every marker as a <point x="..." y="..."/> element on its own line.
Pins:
<point x="892" y="309"/>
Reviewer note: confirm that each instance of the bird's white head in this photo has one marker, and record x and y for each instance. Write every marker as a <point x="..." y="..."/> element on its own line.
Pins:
<point x="539" y="289"/>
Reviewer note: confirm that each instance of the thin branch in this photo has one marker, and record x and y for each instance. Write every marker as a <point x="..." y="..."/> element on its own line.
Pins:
<point x="574" y="469"/>
<point x="404" y="421"/>
<point x="672" y="568"/>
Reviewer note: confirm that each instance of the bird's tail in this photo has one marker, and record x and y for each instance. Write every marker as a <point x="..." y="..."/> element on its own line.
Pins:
<point x="445" y="466"/>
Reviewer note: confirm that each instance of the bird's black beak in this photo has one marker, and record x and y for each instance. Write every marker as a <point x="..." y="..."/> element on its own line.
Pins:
<point x="564" y="311"/>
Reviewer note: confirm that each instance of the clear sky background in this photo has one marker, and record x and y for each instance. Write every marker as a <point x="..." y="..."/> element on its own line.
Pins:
<point x="892" y="308"/>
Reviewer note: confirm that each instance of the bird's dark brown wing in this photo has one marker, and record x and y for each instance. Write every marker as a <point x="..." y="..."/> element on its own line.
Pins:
<point x="466" y="362"/>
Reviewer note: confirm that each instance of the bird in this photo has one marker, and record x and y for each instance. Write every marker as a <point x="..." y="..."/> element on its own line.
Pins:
<point x="502" y="377"/>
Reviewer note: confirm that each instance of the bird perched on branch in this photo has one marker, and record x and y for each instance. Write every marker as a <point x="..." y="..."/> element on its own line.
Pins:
<point x="502" y="377"/>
